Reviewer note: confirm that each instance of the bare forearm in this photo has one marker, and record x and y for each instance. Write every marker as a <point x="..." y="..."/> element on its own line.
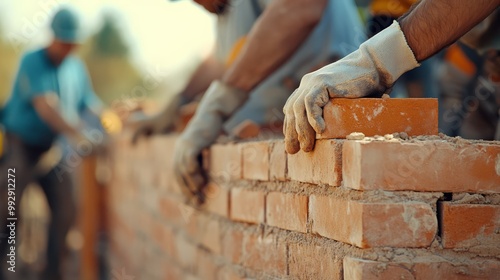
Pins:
<point x="210" y="69"/>
<point x="278" y="33"/>
<point x="434" y="24"/>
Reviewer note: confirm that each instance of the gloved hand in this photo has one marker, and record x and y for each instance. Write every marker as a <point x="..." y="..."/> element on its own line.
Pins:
<point x="87" y="140"/>
<point x="218" y="103"/>
<point x="373" y="68"/>
<point x="157" y="124"/>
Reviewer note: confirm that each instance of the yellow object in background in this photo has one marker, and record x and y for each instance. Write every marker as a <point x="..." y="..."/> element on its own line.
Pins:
<point x="459" y="59"/>
<point x="393" y="8"/>
<point x="235" y="51"/>
<point x="111" y="122"/>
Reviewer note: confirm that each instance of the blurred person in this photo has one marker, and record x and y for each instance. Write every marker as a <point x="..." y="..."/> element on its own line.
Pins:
<point x="51" y="90"/>
<point x="382" y="59"/>
<point x="470" y="91"/>
<point x="262" y="48"/>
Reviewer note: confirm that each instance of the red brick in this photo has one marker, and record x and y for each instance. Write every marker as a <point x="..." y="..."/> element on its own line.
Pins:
<point x="256" y="161"/>
<point x="277" y="161"/>
<point x="165" y="238"/>
<point x="247" y="206"/>
<point x="186" y="252"/>
<point x="209" y="234"/>
<point x="166" y="144"/>
<point x="321" y="166"/>
<point x="308" y="261"/>
<point x="229" y="273"/>
<point x="375" y="116"/>
<point x="358" y="269"/>
<point x="355" y="268"/>
<point x="432" y="165"/>
<point x="365" y="224"/>
<point x="287" y="211"/>
<point x="264" y="253"/>
<point x="470" y="225"/>
<point x="246" y="129"/>
<point x="208" y="268"/>
<point x="217" y="200"/>
<point x="232" y="245"/>
<point x="225" y="161"/>
<point x="173" y="211"/>
<point x="172" y="272"/>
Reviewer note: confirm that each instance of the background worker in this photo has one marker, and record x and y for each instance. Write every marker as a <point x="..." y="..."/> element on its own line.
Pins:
<point x="262" y="44"/>
<point x="427" y="28"/>
<point x="50" y="92"/>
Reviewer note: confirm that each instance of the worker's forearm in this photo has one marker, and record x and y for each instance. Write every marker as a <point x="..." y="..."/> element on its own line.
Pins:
<point x="210" y="69"/>
<point x="46" y="109"/>
<point x="278" y="33"/>
<point x="434" y="24"/>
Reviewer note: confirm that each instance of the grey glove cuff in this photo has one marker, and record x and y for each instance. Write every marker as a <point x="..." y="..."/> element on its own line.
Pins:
<point x="222" y="99"/>
<point x="217" y="105"/>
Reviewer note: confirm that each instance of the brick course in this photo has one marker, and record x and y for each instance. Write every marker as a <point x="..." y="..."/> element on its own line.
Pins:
<point x="348" y="210"/>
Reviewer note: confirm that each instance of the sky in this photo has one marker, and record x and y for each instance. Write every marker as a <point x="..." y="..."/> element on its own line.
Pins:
<point x="161" y="33"/>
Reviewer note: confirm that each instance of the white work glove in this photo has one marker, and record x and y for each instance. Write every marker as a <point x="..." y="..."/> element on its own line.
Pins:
<point x="218" y="103"/>
<point x="373" y="68"/>
<point x="157" y="124"/>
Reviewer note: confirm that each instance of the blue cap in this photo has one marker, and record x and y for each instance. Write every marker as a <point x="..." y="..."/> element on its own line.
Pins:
<point x="66" y="26"/>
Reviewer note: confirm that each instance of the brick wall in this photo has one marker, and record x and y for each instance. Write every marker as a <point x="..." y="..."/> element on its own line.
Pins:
<point x="424" y="208"/>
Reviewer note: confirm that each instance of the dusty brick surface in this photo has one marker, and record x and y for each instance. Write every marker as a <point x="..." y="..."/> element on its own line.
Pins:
<point x="375" y="116"/>
<point x="256" y="161"/>
<point x="225" y="161"/>
<point x="277" y="161"/>
<point x="247" y="206"/>
<point x="264" y="253"/>
<point x="435" y="166"/>
<point x="217" y="200"/>
<point x="411" y="224"/>
<point x="287" y="211"/>
<point x="470" y="225"/>
<point x="308" y="261"/>
<point x="233" y="245"/>
<point x="208" y="268"/>
<point x="321" y="166"/>
<point x="229" y="273"/>
<point x="186" y="252"/>
<point x="355" y="268"/>
<point x="209" y="234"/>
<point x="292" y="226"/>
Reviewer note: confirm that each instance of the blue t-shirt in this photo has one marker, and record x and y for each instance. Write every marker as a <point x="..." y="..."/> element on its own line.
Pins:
<point x="37" y="76"/>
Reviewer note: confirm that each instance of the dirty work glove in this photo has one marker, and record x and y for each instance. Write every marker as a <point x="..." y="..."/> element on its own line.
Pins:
<point x="373" y="68"/>
<point x="157" y="124"/>
<point x="218" y="103"/>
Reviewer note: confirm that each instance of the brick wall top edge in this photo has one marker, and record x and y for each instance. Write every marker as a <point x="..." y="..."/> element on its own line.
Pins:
<point x="423" y="165"/>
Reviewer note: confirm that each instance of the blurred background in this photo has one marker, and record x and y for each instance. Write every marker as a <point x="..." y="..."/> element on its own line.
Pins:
<point x="153" y="44"/>
<point x="145" y="49"/>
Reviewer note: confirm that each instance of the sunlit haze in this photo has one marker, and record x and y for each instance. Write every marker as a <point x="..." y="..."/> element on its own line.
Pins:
<point x="160" y="33"/>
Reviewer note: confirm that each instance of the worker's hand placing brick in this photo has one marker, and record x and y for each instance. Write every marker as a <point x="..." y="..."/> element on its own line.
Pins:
<point x="162" y="122"/>
<point x="372" y="68"/>
<point x="378" y="63"/>
<point x="218" y="103"/>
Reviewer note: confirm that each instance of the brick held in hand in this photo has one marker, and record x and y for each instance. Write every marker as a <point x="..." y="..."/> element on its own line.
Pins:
<point x="246" y="130"/>
<point x="376" y="116"/>
<point x="186" y="113"/>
